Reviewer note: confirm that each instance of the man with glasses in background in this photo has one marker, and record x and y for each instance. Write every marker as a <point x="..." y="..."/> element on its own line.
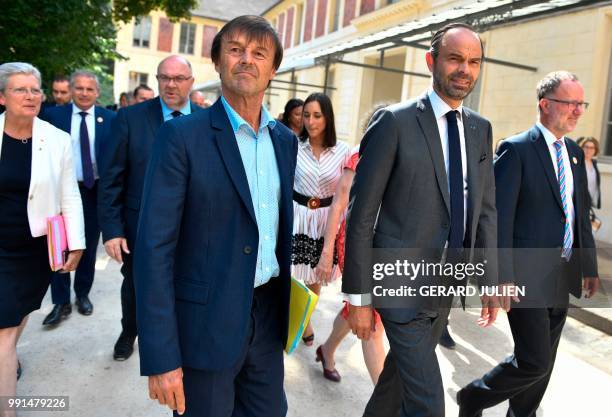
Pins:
<point x="122" y="172"/>
<point x="547" y="246"/>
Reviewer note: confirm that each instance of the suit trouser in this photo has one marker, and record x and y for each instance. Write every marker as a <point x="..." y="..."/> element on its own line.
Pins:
<point x="523" y="377"/>
<point x="410" y="384"/>
<point x="253" y="387"/>
<point x="128" y="296"/>
<point x="84" y="275"/>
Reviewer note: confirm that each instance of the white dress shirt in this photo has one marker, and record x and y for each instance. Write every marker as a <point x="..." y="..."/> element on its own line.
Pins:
<point x="550" y="139"/>
<point x="440" y="108"/>
<point x="75" y="134"/>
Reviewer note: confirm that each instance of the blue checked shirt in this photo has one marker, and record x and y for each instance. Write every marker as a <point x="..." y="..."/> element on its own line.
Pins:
<point x="259" y="162"/>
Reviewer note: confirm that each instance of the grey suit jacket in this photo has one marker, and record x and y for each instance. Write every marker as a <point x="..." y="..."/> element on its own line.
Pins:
<point x="400" y="196"/>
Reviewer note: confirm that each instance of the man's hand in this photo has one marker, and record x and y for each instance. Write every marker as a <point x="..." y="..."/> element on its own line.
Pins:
<point x="168" y="389"/>
<point x="115" y="246"/>
<point x="361" y="320"/>
<point x="72" y="261"/>
<point x="488" y="313"/>
<point x="590" y="286"/>
<point x="505" y="301"/>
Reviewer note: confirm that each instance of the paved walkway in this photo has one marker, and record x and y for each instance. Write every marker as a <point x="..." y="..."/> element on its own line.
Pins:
<point x="75" y="359"/>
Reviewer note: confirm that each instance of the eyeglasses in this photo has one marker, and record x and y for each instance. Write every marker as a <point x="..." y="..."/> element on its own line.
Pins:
<point x="165" y="79"/>
<point x="22" y="91"/>
<point x="573" y="105"/>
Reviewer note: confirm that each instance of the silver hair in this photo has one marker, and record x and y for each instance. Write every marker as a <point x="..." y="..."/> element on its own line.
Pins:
<point x="86" y="74"/>
<point x="552" y="81"/>
<point x="9" y="69"/>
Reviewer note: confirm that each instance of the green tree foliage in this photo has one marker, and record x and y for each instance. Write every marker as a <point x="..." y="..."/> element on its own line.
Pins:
<point x="59" y="36"/>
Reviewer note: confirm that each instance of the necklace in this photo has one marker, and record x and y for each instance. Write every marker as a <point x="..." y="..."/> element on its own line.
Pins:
<point x="24" y="141"/>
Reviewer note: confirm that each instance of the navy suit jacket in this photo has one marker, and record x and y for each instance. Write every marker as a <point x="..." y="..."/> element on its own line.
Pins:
<point x="196" y="248"/>
<point x="61" y="117"/>
<point x="122" y="168"/>
<point x="531" y="218"/>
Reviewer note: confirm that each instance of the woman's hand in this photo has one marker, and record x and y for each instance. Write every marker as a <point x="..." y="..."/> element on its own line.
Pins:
<point x="73" y="260"/>
<point x="323" y="270"/>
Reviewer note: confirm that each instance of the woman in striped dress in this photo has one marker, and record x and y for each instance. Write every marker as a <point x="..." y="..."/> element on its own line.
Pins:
<point x="319" y="167"/>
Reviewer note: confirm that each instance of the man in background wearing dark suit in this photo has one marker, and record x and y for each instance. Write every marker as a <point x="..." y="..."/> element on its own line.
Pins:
<point x="122" y="172"/>
<point x="61" y="90"/>
<point x="425" y="183"/>
<point x="213" y="253"/>
<point x="89" y="126"/>
<point x="547" y="244"/>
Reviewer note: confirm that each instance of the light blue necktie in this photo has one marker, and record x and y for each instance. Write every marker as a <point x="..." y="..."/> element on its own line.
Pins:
<point x="568" y="239"/>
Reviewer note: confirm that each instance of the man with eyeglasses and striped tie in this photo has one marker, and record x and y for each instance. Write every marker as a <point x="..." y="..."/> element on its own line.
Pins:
<point x="546" y="245"/>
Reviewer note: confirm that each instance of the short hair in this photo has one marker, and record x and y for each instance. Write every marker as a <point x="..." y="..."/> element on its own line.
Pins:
<point x="141" y="87"/>
<point x="9" y="69"/>
<point x="552" y="81"/>
<point x="254" y="28"/>
<point x="438" y="37"/>
<point x="327" y="110"/>
<point x="60" y="79"/>
<point x="583" y="140"/>
<point x="86" y="74"/>
<point x="291" y="104"/>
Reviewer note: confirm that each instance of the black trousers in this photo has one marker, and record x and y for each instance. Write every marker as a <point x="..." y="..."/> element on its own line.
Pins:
<point x="523" y="377"/>
<point x="253" y="387"/>
<point x="411" y="384"/>
<point x="128" y="296"/>
<point x="84" y="275"/>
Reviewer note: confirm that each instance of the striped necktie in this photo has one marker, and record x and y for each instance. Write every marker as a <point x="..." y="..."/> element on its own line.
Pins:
<point x="568" y="238"/>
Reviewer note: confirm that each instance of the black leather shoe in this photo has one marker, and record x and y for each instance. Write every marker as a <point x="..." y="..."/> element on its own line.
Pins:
<point x="463" y="412"/>
<point x="124" y="347"/>
<point x="59" y="313"/>
<point x="446" y="339"/>
<point x="84" y="306"/>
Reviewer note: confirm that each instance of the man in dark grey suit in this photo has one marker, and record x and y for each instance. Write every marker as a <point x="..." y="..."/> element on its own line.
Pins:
<point x="425" y="183"/>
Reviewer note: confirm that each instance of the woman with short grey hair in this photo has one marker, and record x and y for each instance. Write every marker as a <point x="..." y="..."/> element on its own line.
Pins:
<point x="37" y="181"/>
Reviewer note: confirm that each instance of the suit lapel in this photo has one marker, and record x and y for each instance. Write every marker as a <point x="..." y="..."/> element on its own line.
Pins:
<point x="573" y="156"/>
<point x="429" y="126"/>
<point x="228" y="147"/>
<point x="472" y="150"/>
<point x="66" y="120"/>
<point x="155" y="116"/>
<point x="99" y="126"/>
<point x="542" y="150"/>
<point x="285" y="175"/>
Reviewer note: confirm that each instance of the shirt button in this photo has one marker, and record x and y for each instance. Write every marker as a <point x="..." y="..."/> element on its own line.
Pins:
<point x="260" y="172"/>
<point x="267" y="237"/>
<point x="247" y="250"/>
<point x="263" y="206"/>
<point x="267" y="269"/>
<point x="31" y="197"/>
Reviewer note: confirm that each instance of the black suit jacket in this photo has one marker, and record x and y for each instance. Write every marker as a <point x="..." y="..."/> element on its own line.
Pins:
<point x="400" y="196"/>
<point x="123" y="165"/>
<point x="531" y="218"/>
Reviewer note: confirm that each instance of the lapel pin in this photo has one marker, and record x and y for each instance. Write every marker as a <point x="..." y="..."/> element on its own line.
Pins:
<point x="575" y="160"/>
<point x="99" y="119"/>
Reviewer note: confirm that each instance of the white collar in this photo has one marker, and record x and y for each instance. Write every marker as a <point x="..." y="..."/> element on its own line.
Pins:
<point x="440" y="107"/>
<point x="549" y="137"/>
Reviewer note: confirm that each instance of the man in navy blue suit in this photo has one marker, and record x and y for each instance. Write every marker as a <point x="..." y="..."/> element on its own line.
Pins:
<point x="89" y="126"/>
<point x="122" y="172"/>
<point x="212" y="267"/>
<point x="547" y="246"/>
